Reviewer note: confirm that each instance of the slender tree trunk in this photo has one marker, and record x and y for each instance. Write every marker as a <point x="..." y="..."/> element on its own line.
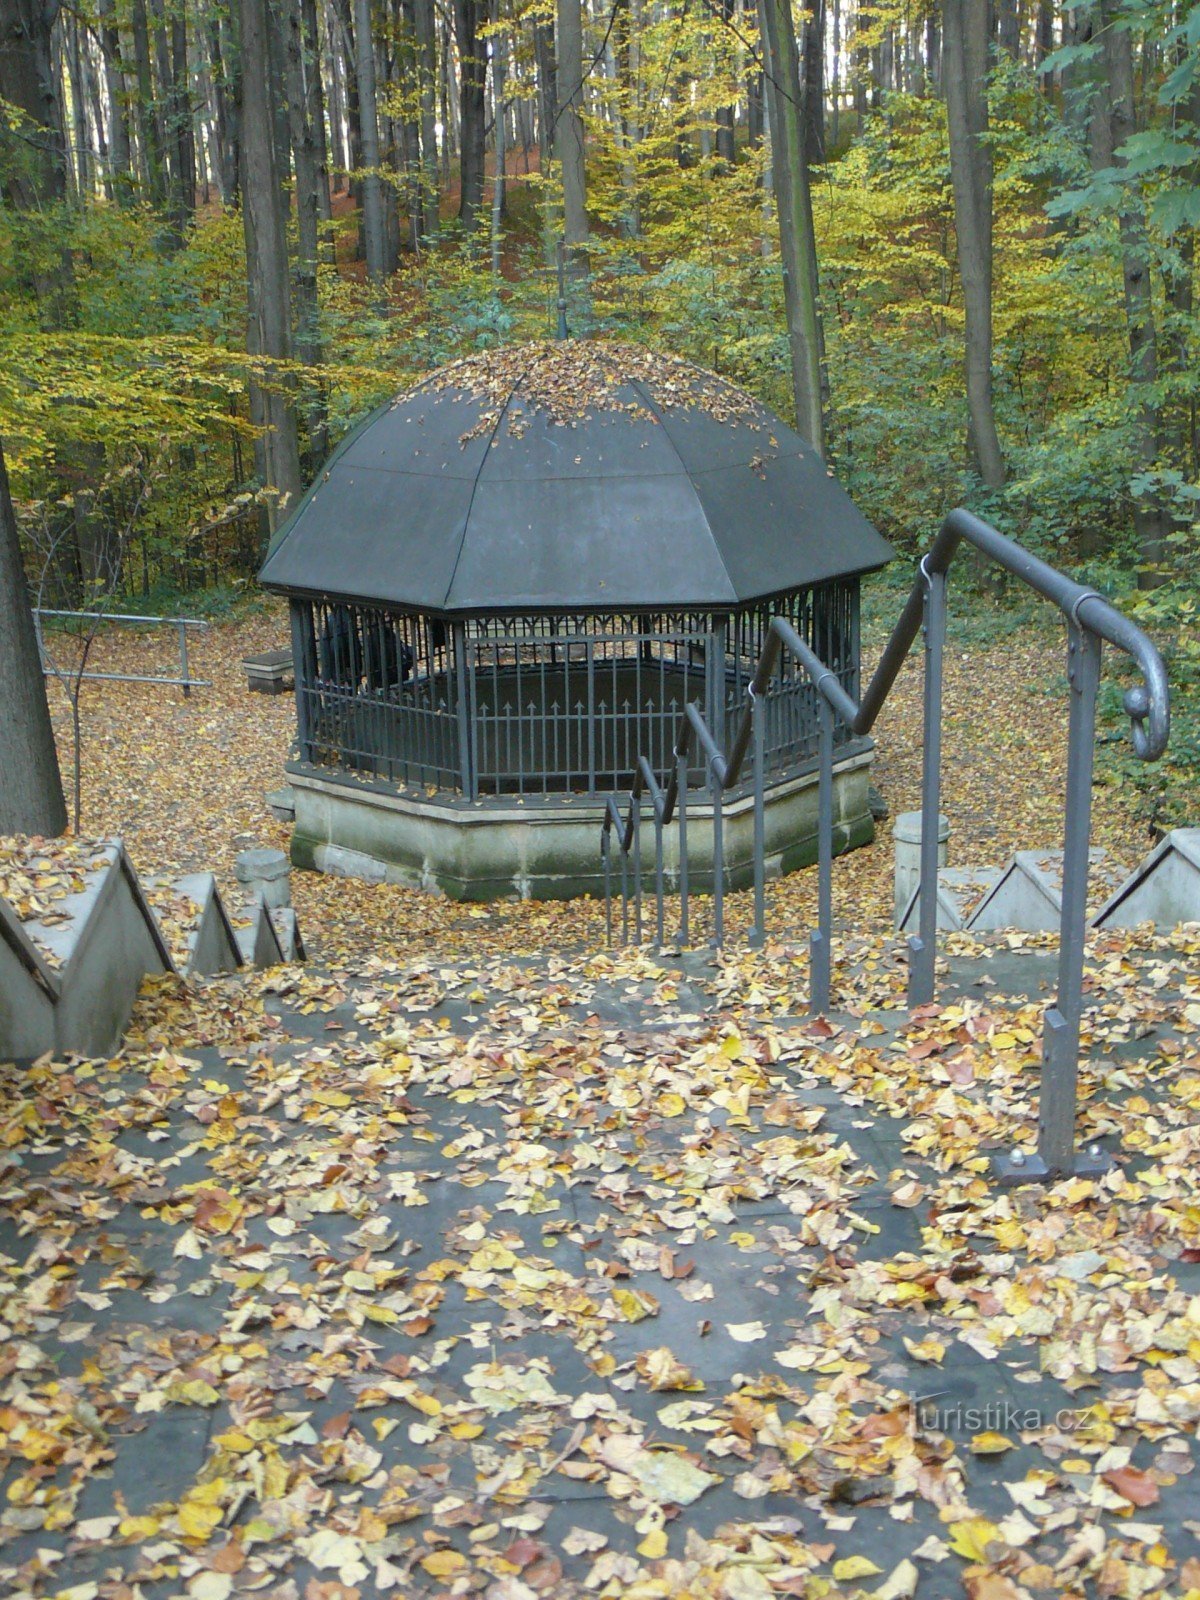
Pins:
<point x="472" y="98"/>
<point x="302" y="117"/>
<point x="966" y="39"/>
<point x="726" y="115"/>
<point x="269" y="331"/>
<point x="31" y="795"/>
<point x="814" y="84"/>
<point x="183" y="130"/>
<point x="499" y="66"/>
<point x="83" y="150"/>
<point x="225" y="103"/>
<point x="38" y="180"/>
<point x="547" y="76"/>
<point x="373" y="219"/>
<point x="797" y="238"/>
<point x="1151" y="522"/>
<point x="343" y="14"/>
<point x="338" y="156"/>
<point x="423" y="25"/>
<point x="120" y="165"/>
<point x="164" y="113"/>
<point x="314" y="91"/>
<point x="568" y="140"/>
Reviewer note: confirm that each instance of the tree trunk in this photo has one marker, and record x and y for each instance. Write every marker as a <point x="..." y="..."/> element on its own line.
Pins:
<point x="338" y="157"/>
<point x="568" y="138"/>
<point x="31" y="795"/>
<point x="1150" y="519"/>
<point x="797" y="239"/>
<point x="268" y="331"/>
<point x="547" y="76"/>
<point x="314" y="88"/>
<point x="37" y="181"/>
<point x="344" y="29"/>
<point x="119" y="166"/>
<point x="814" y="84"/>
<point x="83" y="149"/>
<point x="373" y="219"/>
<point x="423" y="25"/>
<point x="184" y="130"/>
<point x="965" y="41"/>
<point x="1008" y="26"/>
<point x="499" y="65"/>
<point x="225" y="101"/>
<point x="472" y="98"/>
<point x="726" y="115"/>
<point x="302" y="111"/>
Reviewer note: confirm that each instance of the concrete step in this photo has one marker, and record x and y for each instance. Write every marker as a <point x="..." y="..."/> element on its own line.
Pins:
<point x="1027" y="896"/>
<point x="1164" y="890"/>
<point x="960" y="891"/>
<point x="258" y="942"/>
<point x="73" y="956"/>
<point x="93" y="946"/>
<point x="196" y="925"/>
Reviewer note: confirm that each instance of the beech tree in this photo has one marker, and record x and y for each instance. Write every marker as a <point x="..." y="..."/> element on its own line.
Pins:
<point x="31" y="794"/>
<point x="965" y="25"/>
<point x="269" y="326"/>
<point x="793" y="198"/>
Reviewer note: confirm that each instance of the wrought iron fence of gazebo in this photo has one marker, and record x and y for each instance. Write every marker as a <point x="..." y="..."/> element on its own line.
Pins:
<point x="541" y="706"/>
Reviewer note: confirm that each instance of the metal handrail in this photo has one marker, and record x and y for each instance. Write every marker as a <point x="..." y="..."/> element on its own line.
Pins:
<point x="1091" y="620"/>
<point x="184" y="681"/>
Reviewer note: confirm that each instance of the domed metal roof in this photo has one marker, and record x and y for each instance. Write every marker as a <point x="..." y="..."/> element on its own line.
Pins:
<point x="571" y="476"/>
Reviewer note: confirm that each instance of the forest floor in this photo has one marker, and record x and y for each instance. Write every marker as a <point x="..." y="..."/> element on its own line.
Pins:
<point x="184" y="781"/>
<point x="472" y="1259"/>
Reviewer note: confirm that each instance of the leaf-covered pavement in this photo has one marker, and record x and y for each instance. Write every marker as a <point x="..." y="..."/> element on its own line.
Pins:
<point x="599" y="1276"/>
<point x="469" y="1260"/>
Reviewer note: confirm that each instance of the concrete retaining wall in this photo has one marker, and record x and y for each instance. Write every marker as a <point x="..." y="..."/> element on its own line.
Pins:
<point x="550" y="849"/>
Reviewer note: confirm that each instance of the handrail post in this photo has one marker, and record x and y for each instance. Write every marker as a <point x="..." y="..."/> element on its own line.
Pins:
<point x="922" y="948"/>
<point x="758" y="932"/>
<point x="659" y="885"/>
<point x="635" y="809"/>
<point x="717" y="799"/>
<point x="624" y="894"/>
<point x="183" y="661"/>
<point x="607" y="853"/>
<point x="681" y="790"/>
<point x="820" y="944"/>
<point x="1056" y="1155"/>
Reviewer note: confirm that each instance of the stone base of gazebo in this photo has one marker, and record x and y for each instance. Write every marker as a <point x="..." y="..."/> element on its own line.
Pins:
<point x="549" y="849"/>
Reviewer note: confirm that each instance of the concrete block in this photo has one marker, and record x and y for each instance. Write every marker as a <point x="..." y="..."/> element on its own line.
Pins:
<point x="960" y="890"/>
<point x="105" y="945"/>
<point x="267" y="872"/>
<point x="287" y="931"/>
<point x="906" y="837"/>
<point x="258" y="943"/>
<point x="281" y="803"/>
<point x="212" y="944"/>
<point x="28" y="993"/>
<point x="1164" y="890"/>
<point x="1027" y="896"/>
<point x="269" y="673"/>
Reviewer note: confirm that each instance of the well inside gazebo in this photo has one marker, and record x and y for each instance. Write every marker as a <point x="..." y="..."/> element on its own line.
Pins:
<point x="508" y="585"/>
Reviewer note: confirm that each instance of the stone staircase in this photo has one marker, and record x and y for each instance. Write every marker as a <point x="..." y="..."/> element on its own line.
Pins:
<point x="79" y="931"/>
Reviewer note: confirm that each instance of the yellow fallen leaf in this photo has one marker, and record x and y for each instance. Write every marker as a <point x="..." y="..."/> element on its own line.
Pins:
<point x="444" y="1563"/>
<point x="971" y="1537"/>
<point x="854" y="1567"/>
<point x="990" y="1444"/>
<point x="654" y="1544"/>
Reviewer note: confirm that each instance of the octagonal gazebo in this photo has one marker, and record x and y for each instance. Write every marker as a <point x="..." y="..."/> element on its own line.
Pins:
<point x="506" y="585"/>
